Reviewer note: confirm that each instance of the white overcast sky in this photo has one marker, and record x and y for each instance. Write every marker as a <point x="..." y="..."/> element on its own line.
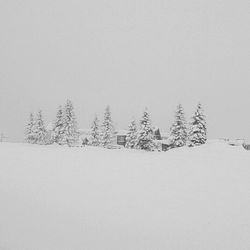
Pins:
<point x="128" y="54"/>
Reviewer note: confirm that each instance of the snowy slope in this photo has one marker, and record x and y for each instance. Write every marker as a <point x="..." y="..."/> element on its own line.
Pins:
<point x="56" y="198"/>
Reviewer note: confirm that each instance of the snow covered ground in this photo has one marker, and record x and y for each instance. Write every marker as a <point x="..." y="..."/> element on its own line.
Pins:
<point x="59" y="198"/>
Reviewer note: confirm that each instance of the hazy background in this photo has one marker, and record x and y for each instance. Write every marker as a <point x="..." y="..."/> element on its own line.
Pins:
<point x="129" y="54"/>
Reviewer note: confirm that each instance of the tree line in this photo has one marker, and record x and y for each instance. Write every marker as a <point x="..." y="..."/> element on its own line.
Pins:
<point x="141" y="136"/>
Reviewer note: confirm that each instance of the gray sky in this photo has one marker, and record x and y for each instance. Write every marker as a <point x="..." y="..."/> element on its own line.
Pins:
<point x="129" y="54"/>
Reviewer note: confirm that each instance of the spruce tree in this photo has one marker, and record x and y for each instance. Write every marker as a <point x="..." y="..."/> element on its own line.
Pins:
<point x="145" y="135"/>
<point x="95" y="133"/>
<point x="198" y="131"/>
<point x="29" y="130"/>
<point x="70" y="132"/>
<point x="132" y="135"/>
<point x="178" y="131"/>
<point x="39" y="129"/>
<point x="107" y="133"/>
<point x="58" y="129"/>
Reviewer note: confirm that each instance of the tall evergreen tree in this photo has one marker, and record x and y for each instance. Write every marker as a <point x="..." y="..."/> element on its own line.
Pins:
<point x="39" y="129"/>
<point x="29" y="130"/>
<point x="145" y="135"/>
<point x="58" y="129"/>
<point x="178" y="130"/>
<point x="95" y="133"/>
<point x="198" y="131"/>
<point x="132" y="135"/>
<point x="70" y="131"/>
<point x="107" y="133"/>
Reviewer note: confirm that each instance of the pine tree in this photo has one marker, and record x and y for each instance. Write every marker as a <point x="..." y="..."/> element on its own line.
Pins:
<point x="107" y="133"/>
<point x="145" y="135"/>
<point x="178" y="130"/>
<point x="197" y="132"/>
<point x="29" y="131"/>
<point x="70" y="131"/>
<point x="132" y="135"/>
<point x="95" y="133"/>
<point x="39" y="129"/>
<point x="58" y="129"/>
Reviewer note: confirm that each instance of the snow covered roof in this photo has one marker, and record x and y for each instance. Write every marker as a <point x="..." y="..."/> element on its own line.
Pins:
<point x="122" y="132"/>
<point x="164" y="134"/>
<point x="167" y="141"/>
<point x="236" y="142"/>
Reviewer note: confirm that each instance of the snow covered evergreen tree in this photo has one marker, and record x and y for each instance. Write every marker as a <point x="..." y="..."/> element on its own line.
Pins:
<point x="39" y="129"/>
<point x="131" y="137"/>
<point x="70" y="131"/>
<point x="95" y="133"/>
<point x="145" y="135"/>
<point x="58" y="129"/>
<point x="198" y="131"/>
<point x="107" y="133"/>
<point x="178" y="131"/>
<point x="29" y="130"/>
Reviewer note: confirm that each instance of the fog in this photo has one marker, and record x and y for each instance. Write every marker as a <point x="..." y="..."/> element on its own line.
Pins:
<point x="129" y="54"/>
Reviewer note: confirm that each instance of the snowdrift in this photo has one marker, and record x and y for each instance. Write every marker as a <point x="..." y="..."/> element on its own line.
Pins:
<point x="56" y="198"/>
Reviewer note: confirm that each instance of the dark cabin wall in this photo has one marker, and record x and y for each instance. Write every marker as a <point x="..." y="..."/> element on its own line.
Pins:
<point x="121" y="140"/>
<point x="157" y="134"/>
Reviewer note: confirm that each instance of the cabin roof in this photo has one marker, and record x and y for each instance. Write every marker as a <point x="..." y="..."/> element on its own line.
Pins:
<point x="121" y="132"/>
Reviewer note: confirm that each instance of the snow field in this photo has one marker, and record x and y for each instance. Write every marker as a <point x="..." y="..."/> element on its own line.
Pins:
<point x="56" y="198"/>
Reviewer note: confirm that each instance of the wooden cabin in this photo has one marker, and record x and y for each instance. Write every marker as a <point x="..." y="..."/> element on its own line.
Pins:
<point x="121" y="140"/>
<point x="121" y="137"/>
<point x="166" y="144"/>
<point x="157" y="134"/>
<point x="122" y="134"/>
<point x="246" y="145"/>
<point x="236" y="142"/>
